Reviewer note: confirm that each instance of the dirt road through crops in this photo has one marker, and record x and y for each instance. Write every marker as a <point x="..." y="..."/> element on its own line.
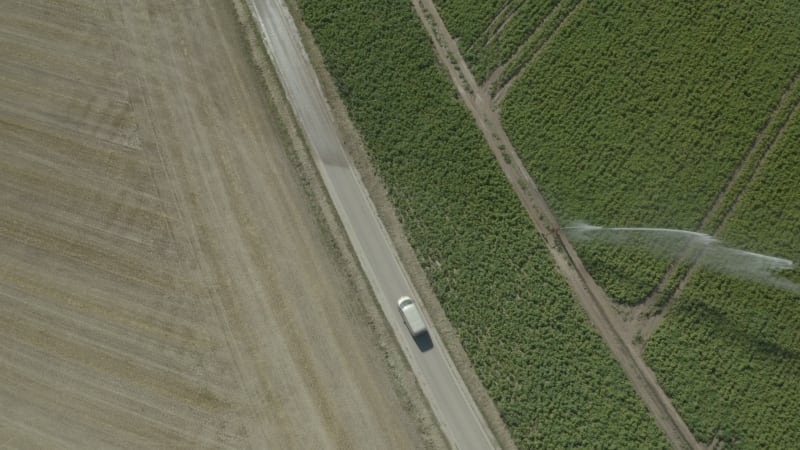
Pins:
<point x="593" y="299"/>
<point x="164" y="280"/>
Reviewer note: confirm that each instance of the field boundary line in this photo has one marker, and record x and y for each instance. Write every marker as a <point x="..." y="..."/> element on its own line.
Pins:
<point x="587" y="293"/>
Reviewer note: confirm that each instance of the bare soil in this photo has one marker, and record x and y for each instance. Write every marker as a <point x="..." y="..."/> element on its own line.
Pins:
<point x="165" y="278"/>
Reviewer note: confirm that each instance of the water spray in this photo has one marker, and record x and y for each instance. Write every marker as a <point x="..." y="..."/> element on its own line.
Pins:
<point x="699" y="248"/>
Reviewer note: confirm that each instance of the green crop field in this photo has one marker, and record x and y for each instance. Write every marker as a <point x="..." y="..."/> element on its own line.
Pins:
<point x="549" y="373"/>
<point x="729" y="352"/>
<point x="637" y="114"/>
<point x="635" y="117"/>
<point x="729" y="356"/>
<point x="502" y="34"/>
<point x="767" y="218"/>
<point x="681" y="115"/>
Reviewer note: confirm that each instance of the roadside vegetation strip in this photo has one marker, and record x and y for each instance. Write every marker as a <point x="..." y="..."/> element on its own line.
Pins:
<point x="632" y="117"/>
<point x="547" y="370"/>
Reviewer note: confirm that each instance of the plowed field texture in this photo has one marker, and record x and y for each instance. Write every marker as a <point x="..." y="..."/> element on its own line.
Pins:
<point x="164" y="282"/>
<point x="678" y="115"/>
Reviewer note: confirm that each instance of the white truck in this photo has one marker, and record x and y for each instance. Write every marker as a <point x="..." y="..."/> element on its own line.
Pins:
<point x="411" y="316"/>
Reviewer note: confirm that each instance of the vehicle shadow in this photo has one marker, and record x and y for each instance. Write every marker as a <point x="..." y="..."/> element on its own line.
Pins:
<point x="424" y="342"/>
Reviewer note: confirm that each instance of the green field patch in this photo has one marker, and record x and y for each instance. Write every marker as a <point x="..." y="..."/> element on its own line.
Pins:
<point x="729" y="356"/>
<point x="553" y="380"/>
<point x="638" y="114"/>
<point x="767" y="219"/>
<point x="729" y="353"/>
<point x="625" y="270"/>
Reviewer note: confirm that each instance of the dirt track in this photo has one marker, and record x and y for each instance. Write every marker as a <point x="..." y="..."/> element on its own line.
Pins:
<point x="164" y="281"/>
<point x="589" y="295"/>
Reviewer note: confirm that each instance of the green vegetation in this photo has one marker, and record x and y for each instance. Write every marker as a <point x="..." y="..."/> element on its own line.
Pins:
<point x="770" y="134"/>
<point x="549" y="373"/>
<point x="729" y="356"/>
<point x="493" y="33"/>
<point x="767" y="219"/>
<point x="729" y="352"/>
<point x="626" y="271"/>
<point x="536" y="41"/>
<point x="637" y="114"/>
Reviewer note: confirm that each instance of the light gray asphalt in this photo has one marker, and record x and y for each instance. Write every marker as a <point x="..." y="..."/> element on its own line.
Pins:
<point x="462" y="423"/>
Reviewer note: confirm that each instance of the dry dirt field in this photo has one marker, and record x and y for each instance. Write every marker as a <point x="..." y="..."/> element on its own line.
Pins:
<point x="164" y="280"/>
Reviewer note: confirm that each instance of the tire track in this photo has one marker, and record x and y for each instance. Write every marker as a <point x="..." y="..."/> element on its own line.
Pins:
<point x="506" y="14"/>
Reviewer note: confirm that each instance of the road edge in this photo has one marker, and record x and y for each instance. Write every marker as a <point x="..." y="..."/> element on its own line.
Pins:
<point x="406" y="386"/>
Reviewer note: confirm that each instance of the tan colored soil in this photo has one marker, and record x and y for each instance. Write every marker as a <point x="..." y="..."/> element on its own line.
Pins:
<point x="165" y="278"/>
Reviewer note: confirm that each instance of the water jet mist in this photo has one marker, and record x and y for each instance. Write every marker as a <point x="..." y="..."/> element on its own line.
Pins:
<point x="698" y="248"/>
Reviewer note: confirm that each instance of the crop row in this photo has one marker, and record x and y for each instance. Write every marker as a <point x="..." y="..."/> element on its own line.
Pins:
<point x="767" y="219"/>
<point x="729" y="357"/>
<point x="773" y="129"/>
<point x="490" y="33"/>
<point x="523" y="55"/>
<point x="735" y="336"/>
<point x="549" y="373"/>
<point x="627" y="270"/>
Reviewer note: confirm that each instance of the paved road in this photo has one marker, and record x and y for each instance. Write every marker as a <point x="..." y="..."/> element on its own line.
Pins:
<point x="452" y="404"/>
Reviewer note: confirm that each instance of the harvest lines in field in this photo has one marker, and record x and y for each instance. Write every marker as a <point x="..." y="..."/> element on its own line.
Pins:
<point x="143" y="304"/>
